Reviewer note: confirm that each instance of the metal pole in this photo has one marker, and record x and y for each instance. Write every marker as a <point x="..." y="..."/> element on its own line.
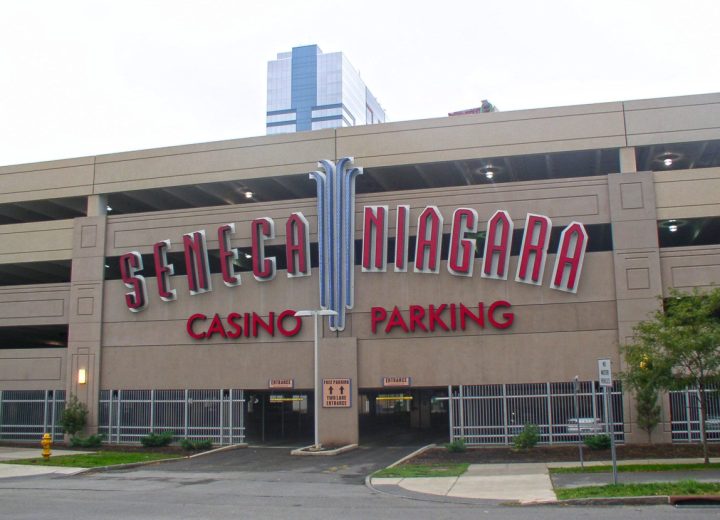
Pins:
<point x="609" y="421"/>
<point x="577" y="418"/>
<point x="317" y="385"/>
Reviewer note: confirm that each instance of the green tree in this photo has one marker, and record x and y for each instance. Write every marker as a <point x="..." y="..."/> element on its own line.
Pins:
<point x="679" y="347"/>
<point x="74" y="417"/>
<point x="647" y="408"/>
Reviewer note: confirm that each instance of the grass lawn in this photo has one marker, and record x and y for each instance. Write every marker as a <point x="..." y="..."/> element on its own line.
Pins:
<point x="94" y="460"/>
<point x="451" y="469"/>
<point x="684" y="487"/>
<point x="645" y="468"/>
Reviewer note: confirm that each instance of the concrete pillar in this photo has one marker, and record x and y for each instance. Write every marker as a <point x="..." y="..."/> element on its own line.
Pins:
<point x="636" y="257"/>
<point x="85" y="319"/>
<point x="338" y="360"/>
<point x="628" y="162"/>
<point x="97" y="206"/>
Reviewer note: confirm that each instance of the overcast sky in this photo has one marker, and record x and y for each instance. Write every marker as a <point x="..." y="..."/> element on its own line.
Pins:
<point x="91" y="77"/>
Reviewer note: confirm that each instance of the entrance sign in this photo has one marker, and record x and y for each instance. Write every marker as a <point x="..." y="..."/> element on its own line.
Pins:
<point x="605" y="372"/>
<point x="396" y="381"/>
<point x="286" y="384"/>
<point x="336" y="393"/>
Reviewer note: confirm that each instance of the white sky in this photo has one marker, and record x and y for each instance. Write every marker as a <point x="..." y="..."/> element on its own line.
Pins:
<point x="89" y="77"/>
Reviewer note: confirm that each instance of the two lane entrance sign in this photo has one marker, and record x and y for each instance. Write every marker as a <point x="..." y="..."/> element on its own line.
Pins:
<point x="336" y="393"/>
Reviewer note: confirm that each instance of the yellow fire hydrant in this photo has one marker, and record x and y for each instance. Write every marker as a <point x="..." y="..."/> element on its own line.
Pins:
<point x="46" y="443"/>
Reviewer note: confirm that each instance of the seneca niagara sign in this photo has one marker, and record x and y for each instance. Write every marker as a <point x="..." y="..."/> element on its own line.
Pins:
<point x="336" y="254"/>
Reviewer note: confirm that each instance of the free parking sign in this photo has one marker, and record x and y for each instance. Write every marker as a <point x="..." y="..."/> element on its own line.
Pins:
<point x="336" y="393"/>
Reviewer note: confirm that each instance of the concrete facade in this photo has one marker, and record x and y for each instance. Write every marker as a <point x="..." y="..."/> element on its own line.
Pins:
<point x="555" y="336"/>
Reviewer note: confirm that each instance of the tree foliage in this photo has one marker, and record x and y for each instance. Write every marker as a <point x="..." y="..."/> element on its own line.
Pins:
<point x="648" y="409"/>
<point x="679" y="347"/>
<point x="74" y="417"/>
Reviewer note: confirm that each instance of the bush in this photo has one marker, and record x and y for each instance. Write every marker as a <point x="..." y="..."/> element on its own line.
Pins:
<point x="92" y="441"/>
<point x="598" y="442"/>
<point x="74" y="417"/>
<point x="157" y="440"/>
<point x="196" y="445"/>
<point x="527" y="438"/>
<point x="456" y="446"/>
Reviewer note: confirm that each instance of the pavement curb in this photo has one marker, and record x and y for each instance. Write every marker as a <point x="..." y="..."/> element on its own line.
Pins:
<point x="132" y="465"/>
<point x="413" y="454"/>
<point x="305" y="452"/>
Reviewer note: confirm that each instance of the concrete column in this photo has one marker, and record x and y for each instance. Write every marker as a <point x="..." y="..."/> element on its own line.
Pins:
<point x="628" y="163"/>
<point x="338" y="359"/>
<point x="97" y="205"/>
<point x="636" y="257"/>
<point x="85" y="319"/>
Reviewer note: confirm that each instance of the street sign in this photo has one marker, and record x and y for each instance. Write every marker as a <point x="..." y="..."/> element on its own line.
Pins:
<point x="396" y="381"/>
<point x="286" y="384"/>
<point x="605" y="372"/>
<point x="336" y="393"/>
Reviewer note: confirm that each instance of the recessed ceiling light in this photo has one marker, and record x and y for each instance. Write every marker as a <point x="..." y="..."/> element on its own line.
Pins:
<point x="248" y="255"/>
<point x="672" y="228"/>
<point x="249" y="194"/>
<point x="489" y="173"/>
<point x="108" y="208"/>
<point x="668" y="159"/>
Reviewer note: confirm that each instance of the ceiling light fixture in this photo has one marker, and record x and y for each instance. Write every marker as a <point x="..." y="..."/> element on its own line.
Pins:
<point x="108" y="208"/>
<point x="672" y="228"/>
<point x="668" y="159"/>
<point x="489" y="173"/>
<point x="249" y="194"/>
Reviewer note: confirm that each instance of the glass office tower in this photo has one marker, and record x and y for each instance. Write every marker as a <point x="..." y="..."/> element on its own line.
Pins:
<point x="309" y="90"/>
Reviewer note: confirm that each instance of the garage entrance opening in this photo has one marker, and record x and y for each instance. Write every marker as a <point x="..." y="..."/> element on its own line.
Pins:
<point x="403" y="416"/>
<point x="279" y="417"/>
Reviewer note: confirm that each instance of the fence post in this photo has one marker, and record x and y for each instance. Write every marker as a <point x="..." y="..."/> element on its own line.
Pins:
<point x="505" y="415"/>
<point x="549" y="411"/>
<point x="117" y="417"/>
<point x="594" y="402"/>
<point x="230" y="415"/>
<point x="1" y="414"/>
<point x="451" y="415"/>
<point x="152" y="411"/>
<point x="461" y="413"/>
<point x="186" y="414"/>
<point x="45" y="411"/>
<point x="52" y="414"/>
<point x="222" y="415"/>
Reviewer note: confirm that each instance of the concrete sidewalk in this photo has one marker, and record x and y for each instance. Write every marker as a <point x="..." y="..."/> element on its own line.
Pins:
<point x="523" y="483"/>
<point x="22" y="470"/>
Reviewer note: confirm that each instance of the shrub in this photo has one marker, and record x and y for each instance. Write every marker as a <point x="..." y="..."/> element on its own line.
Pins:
<point x="196" y="445"/>
<point x="598" y="442"/>
<point x="74" y="417"/>
<point x="456" y="446"/>
<point x="527" y="438"/>
<point x="92" y="441"/>
<point x="157" y="440"/>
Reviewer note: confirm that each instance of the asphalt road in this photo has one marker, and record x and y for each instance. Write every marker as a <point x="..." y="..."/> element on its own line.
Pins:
<point x="266" y="483"/>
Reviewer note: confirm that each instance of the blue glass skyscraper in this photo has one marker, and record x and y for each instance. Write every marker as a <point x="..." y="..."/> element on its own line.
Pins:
<point x="310" y="90"/>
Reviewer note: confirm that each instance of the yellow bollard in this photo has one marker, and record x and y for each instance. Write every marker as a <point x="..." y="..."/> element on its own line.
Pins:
<point x="46" y="442"/>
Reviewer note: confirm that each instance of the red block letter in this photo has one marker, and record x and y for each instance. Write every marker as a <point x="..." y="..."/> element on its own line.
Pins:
<point x="462" y="250"/>
<point x="263" y="268"/>
<point x="297" y="245"/>
<point x="374" y="249"/>
<point x="429" y="240"/>
<point x="569" y="266"/>
<point x="534" y="245"/>
<point x="497" y="246"/>
<point x="130" y="264"/>
<point x="227" y="256"/>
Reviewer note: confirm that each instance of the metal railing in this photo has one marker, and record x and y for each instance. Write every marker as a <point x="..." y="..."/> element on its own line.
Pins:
<point x="685" y="415"/>
<point x="25" y="415"/>
<point x="495" y="414"/>
<point x="216" y="414"/>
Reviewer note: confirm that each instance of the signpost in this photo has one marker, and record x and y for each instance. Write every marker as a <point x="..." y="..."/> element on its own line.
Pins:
<point x="316" y="359"/>
<point x="576" y="384"/>
<point x="605" y="378"/>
